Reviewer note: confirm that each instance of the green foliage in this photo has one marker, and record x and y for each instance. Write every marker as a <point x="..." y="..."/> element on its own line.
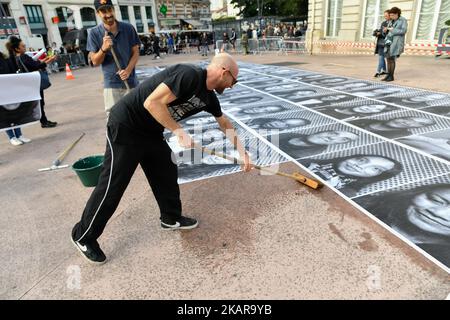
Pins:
<point x="282" y="8"/>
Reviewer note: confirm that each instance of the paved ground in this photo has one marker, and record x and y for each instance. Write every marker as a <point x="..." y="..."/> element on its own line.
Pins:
<point x="259" y="237"/>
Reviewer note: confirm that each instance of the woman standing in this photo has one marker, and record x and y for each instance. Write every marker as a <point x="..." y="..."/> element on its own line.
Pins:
<point x="15" y="135"/>
<point x="395" y="40"/>
<point x="25" y="63"/>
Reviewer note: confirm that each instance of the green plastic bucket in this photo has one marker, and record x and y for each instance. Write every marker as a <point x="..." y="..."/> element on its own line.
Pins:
<point x="88" y="169"/>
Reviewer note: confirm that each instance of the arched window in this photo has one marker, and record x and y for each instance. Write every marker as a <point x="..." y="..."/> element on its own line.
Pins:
<point x="66" y="20"/>
<point x="88" y="17"/>
<point x="432" y="17"/>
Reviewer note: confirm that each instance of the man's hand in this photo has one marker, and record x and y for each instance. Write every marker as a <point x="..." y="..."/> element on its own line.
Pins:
<point x="247" y="165"/>
<point x="107" y="42"/>
<point x="124" y="74"/>
<point x="184" y="140"/>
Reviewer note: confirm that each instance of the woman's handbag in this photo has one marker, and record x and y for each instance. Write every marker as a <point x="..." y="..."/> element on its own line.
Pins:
<point x="45" y="80"/>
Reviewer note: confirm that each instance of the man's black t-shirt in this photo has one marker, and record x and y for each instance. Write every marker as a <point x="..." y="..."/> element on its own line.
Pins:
<point x="130" y="122"/>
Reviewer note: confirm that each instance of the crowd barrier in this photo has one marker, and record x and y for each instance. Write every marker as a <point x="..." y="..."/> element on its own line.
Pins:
<point x="74" y="60"/>
<point x="266" y="45"/>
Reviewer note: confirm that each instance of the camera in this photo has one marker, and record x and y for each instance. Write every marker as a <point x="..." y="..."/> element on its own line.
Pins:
<point x="376" y="32"/>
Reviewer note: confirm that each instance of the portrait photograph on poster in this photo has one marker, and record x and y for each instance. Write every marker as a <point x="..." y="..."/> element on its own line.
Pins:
<point x="291" y="120"/>
<point x="313" y="141"/>
<point x="355" y="109"/>
<point x="402" y="123"/>
<point x="18" y="114"/>
<point x="436" y="143"/>
<point x="372" y="168"/>
<point x="419" y="212"/>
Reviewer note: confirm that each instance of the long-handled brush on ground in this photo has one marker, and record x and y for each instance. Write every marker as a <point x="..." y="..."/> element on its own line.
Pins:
<point x="57" y="163"/>
<point x="296" y="176"/>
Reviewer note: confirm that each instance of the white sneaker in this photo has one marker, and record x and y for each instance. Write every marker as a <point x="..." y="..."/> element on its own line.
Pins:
<point x="15" y="142"/>
<point x="24" y="140"/>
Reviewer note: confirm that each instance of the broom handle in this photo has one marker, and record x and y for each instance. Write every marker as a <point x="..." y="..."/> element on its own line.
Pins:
<point x="116" y="60"/>
<point x="224" y="156"/>
<point x="63" y="154"/>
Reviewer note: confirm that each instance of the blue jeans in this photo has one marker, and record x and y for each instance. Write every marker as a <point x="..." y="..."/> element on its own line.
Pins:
<point x="381" y="61"/>
<point x="14" y="133"/>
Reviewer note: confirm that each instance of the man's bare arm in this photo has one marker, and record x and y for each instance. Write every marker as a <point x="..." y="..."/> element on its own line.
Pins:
<point x="228" y="129"/>
<point x="157" y="105"/>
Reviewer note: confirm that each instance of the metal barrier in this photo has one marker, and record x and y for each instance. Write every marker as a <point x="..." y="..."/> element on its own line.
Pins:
<point x="266" y="45"/>
<point x="74" y="60"/>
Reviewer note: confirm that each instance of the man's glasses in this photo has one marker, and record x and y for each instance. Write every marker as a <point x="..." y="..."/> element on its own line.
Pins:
<point x="234" y="79"/>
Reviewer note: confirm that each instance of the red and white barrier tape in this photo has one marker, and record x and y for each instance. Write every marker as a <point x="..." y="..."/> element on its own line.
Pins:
<point x="372" y="45"/>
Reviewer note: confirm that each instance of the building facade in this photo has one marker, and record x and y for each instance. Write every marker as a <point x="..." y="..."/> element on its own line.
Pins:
<point x="223" y="8"/>
<point x="192" y="15"/>
<point x="52" y="19"/>
<point x="355" y="20"/>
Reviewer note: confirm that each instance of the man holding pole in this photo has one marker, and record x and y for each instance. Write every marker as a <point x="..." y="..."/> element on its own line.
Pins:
<point x="115" y="46"/>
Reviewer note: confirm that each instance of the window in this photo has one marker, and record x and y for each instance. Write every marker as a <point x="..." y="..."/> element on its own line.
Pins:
<point x="88" y="17"/>
<point x="138" y="18"/>
<point x="334" y="17"/>
<point x="4" y="11"/>
<point x="34" y="14"/>
<point x="374" y="16"/>
<point x="124" y="13"/>
<point x="148" y="12"/>
<point x="432" y="17"/>
<point x="35" y="17"/>
<point x="174" y="9"/>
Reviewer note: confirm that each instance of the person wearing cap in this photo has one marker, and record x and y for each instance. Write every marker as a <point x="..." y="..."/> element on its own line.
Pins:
<point x="124" y="38"/>
<point x="135" y="137"/>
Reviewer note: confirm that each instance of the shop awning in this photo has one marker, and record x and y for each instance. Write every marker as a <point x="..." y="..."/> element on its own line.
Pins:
<point x="194" y="23"/>
<point x="169" y="22"/>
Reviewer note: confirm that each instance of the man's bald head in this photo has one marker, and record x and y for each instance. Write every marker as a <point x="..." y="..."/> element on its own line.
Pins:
<point x="222" y="73"/>
<point x="224" y="60"/>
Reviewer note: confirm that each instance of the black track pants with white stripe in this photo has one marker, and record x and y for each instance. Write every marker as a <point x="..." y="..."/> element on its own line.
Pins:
<point x="121" y="161"/>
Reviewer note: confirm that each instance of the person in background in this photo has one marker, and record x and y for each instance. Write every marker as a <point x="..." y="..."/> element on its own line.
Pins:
<point x="233" y="39"/>
<point x="25" y="63"/>
<point x="379" y="49"/>
<point x="225" y="42"/>
<point x="121" y="36"/>
<point x="395" y="40"/>
<point x="204" y="44"/>
<point x="156" y="46"/>
<point x="14" y="135"/>
<point x="244" y="42"/>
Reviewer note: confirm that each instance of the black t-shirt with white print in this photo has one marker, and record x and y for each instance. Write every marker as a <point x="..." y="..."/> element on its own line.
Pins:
<point x="130" y="121"/>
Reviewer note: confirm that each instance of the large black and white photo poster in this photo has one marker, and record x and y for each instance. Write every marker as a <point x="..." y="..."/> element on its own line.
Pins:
<point x="383" y="147"/>
<point x="419" y="211"/>
<point x="20" y="104"/>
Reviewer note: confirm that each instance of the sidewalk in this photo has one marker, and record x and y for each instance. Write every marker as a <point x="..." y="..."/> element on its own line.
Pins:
<point x="259" y="237"/>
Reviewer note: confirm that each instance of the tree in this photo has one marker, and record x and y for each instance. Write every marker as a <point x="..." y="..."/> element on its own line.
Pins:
<point x="284" y="8"/>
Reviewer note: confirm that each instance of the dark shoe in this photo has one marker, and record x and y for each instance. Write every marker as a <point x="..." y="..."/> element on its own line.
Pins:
<point x="183" y="223"/>
<point x="48" y="124"/>
<point x="90" y="251"/>
<point x="377" y="75"/>
<point x="383" y="73"/>
<point x="387" y="78"/>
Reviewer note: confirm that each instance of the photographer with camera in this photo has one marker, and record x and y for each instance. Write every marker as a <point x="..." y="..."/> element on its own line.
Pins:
<point x="379" y="49"/>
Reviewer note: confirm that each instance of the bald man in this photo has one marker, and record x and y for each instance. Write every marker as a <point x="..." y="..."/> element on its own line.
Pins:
<point x="135" y="136"/>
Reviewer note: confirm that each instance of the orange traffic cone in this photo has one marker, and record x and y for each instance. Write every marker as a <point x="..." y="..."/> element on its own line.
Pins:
<point x="69" y="75"/>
